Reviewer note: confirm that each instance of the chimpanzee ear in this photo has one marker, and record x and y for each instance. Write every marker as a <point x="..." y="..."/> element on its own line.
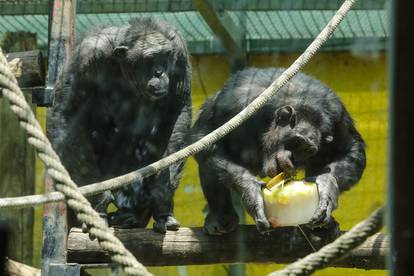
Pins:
<point x="120" y="51"/>
<point x="286" y="115"/>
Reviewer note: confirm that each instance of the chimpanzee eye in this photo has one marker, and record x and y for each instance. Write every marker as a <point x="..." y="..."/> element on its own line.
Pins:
<point x="283" y="117"/>
<point x="286" y="115"/>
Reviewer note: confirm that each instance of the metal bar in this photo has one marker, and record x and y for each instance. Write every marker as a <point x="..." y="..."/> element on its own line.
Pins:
<point x="64" y="270"/>
<point x="401" y="188"/>
<point x="61" y="40"/>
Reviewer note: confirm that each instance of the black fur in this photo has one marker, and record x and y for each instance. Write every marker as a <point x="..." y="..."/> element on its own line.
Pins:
<point x="303" y="125"/>
<point x="123" y="102"/>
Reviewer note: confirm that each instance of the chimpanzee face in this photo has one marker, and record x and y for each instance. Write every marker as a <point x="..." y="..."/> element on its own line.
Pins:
<point x="152" y="75"/>
<point x="147" y="65"/>
<point x="290" y="141"/>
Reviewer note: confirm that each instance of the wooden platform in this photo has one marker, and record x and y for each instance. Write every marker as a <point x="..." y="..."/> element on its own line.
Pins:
<point x="190" y="246"/>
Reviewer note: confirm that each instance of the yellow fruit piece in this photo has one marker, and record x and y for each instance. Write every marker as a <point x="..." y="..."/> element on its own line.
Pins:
<point x="289" y="202"/>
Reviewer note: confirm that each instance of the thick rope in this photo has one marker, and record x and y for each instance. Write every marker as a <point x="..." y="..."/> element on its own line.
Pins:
<point x="337" y="249"/>
<point x="99" y="187"/>
<point x="64" y="184"/>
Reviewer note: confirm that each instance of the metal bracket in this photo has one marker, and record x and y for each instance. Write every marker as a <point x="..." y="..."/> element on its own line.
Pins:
<point x="69" y="269"/>
<point x="42" y="96"/>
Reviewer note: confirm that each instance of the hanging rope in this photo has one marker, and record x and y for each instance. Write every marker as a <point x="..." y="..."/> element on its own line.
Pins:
<point x="337" y="249"/>
<point x="64" y="184"/>
<point x="198" y="146"/>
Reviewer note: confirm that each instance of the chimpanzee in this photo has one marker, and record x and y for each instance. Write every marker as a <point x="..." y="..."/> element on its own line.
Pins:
<point x="305" y="125"/>
<point x="123" y="102"/>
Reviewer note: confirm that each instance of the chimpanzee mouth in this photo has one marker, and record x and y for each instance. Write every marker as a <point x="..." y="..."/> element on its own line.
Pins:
<point x="285" y="162"/>
<point x="155" y="94"/>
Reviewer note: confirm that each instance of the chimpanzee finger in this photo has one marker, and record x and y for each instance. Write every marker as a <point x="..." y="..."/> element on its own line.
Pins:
<point x="322" y="214"/>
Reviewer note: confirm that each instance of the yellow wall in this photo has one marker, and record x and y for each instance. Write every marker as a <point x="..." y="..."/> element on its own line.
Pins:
<point x="361" y="82"/>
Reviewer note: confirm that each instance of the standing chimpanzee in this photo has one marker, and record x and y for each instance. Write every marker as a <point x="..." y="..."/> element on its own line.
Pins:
<point x="304" y="125"/>
<point x="122" y="103"/>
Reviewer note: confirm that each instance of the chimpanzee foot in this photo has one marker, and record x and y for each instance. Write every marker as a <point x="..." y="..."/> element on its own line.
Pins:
<point x="161" y="225"/>
<point x="220" y="224"/>
<point x="125" y="219"/>
<point x="329" y="232"/>
<point x="320" y="236"/>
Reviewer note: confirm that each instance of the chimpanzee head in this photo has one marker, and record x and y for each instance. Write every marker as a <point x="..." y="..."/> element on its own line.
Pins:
<point x="148" y="56"/>
<point x="292" y="139"/>
<point x="145" y="63"/>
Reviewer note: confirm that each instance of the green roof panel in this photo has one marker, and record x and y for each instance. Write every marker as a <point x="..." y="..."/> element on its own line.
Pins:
<point x="265" y="31"/>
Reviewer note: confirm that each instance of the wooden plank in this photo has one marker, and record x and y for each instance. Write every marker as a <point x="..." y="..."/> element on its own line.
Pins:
<point x="16" y="179"/>
<point x="17" y="170"/>
<point x="14" y="268"/>
<point x="190" y="246"/>
<point x="27" y="67"/>
<point x="61" y="42"/>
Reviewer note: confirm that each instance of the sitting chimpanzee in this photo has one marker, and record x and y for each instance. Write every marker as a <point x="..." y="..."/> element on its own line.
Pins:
<point x="304" y="125"/>
<point x="122" y="103"/>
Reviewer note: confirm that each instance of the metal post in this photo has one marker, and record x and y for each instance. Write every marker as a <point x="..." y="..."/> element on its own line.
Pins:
<point x="401" y="187"/>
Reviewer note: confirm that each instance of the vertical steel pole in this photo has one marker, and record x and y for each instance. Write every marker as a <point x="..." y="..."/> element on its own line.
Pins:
<point x="401" y="184"/>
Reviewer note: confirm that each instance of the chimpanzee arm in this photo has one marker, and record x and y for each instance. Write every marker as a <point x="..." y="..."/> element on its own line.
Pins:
<point x="341" y="174"/>
<point x="348" y="168"/>
<point x="167" y="180"/>
<point x="217" y="175"/>
<point x="178" y="141"/>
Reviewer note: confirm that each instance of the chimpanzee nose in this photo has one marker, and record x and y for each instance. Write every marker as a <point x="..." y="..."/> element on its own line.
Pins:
<point x="158" y="73"/>
<point x="154" y="84"/>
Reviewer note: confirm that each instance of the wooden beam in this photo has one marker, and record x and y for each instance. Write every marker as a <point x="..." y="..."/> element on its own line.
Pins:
<point x="14" y="268"/>
<point x="220" y="23"/>
<point x="61" y="43"/>
<point x="190" y="246"/>
<point x="17" y="163"/>
<point x="27" y="67"/>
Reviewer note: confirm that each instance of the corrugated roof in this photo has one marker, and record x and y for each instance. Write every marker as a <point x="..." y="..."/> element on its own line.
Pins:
<point x="20" y="7"/>
<point x="265" y="30"/>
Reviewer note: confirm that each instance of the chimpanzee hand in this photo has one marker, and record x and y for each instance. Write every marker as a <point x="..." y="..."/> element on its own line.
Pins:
<point x="328" y="199"/>
<point x="253" y="200"/>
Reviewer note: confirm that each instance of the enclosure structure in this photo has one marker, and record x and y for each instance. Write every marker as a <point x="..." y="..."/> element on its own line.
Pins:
<point x="242" y="41"/>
